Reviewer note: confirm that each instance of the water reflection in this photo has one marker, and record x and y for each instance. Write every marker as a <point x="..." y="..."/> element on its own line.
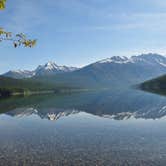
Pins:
<point x="103" y="128"/>
<point x="49" y="113"/>
<point x="112" y="104"/>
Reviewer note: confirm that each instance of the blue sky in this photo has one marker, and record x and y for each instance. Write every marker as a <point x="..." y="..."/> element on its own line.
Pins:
<point x="78" y="32"/>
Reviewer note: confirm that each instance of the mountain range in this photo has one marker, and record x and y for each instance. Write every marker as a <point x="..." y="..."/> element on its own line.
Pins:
<point x="114" y="71"/>
<point x="49" y="68"/>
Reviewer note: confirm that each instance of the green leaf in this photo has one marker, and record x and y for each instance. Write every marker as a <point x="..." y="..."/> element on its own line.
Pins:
<point x="2" y="4"/>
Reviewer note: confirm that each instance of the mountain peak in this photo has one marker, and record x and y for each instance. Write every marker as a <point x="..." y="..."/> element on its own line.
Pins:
<point x="50" y="63"/>
<point x="49" y="68"/>
<point x="148" y="61"/>
<point x="115" y="59"/>
<point x="143" y="58"/>
<point x="19" y="74"/>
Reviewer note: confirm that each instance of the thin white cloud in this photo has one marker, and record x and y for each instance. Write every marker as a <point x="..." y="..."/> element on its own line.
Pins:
<point x="150" y="21"/>
<point x="30" y="14"/>
<point x="26" y="15"/>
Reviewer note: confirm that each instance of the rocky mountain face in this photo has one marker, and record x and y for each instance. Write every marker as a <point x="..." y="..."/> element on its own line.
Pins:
<point x="49" y="68"/>
<point x="19" y="74"/>
<point x="116" y="71"/>
<point x="107" y="72"/>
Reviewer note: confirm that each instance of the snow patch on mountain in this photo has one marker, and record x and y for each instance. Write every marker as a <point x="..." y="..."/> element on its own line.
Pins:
<point x="46" y="69"/>
<point x="52" y="68"/>
<point x="144" y="58"/>
<point x="116" y="59"/>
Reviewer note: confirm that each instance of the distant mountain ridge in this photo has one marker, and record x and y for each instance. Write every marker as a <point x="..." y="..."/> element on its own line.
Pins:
<point x="49" y="68"/>
<point x="114" y="71"/>
<point x="19" y="74"/>
<point x="144" y="58"/>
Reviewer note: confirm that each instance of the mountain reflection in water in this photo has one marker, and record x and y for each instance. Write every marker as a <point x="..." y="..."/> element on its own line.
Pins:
<point x="104" y="128"/>
<point x="117" y="104"/>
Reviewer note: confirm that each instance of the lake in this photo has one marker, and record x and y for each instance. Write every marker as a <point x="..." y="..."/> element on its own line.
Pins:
<point x="100" y="128"/>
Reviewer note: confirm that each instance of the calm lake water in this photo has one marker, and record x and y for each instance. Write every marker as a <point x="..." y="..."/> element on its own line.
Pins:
<point x="97" y="128"/>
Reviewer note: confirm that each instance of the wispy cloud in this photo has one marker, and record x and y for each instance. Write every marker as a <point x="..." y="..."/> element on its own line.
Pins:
<point x="148" y="20"/>
<point x="29" y="15"/>
<point x="25" y="15"/>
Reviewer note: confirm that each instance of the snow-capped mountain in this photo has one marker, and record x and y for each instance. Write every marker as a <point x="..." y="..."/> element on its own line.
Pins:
<point x="130" y="70"/>
<point x="49" y="68"/>
<point x="116" y="71"/>
<point x="111" y="71"/>
<point x="148" y="59"/>
<point x="19" y="74"/>
<point x="116" y="59"/>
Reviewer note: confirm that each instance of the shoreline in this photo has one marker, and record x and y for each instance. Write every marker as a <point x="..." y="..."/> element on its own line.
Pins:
<point x="9" y="93"/>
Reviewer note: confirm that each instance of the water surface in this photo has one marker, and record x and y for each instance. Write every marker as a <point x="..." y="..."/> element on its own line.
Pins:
<point x="109" y="127"/>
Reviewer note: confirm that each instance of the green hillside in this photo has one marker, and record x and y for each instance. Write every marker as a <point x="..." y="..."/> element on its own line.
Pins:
<point x="9" y="86"/>
<point x="74" y="79"/>
<point x="157" y="85"/>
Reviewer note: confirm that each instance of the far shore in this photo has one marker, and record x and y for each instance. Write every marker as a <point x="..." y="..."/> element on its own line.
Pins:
<point x="42" y="92"/>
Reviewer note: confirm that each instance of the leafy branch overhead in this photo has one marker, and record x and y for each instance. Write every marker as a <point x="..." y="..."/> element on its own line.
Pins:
<point x="2" y="4"/>
<point x="18" y="39"/>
